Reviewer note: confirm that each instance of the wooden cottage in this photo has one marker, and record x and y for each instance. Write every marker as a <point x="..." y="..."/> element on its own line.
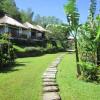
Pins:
<point x="10" y="25"/>
<point x="35" y="32"/>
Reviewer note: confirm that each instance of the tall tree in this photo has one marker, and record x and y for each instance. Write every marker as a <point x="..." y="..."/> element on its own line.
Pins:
<point x="45" y="20"/>
<point x="94" y="27"/>
<point x="27" y="15"/>
<point x="9" y="7"/>
<point x="73" y="20"/>
<point x="98" y="40"/>
<point x="59" y="33"/>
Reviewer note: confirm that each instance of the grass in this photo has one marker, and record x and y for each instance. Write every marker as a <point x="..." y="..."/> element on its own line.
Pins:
<point x="23" y="82"/>
<point x="19" y="48"/>
<point x="70" y="87"/>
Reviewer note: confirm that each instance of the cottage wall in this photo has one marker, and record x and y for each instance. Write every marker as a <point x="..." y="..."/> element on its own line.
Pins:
<point x="27" y="33"/>
<point x="2" y="29"/>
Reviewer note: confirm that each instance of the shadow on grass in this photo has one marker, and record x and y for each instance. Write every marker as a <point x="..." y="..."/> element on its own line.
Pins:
<point x="11" y="68"/>
<point x="26" y="55"/>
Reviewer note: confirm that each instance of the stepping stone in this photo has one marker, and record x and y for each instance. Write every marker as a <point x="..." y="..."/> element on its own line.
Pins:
<point x="52" y="75"/>
<point x="49" y="80"/>
<point x="48" y="74"/>
<point x="58" y="59"/>
<point x="49" y="77"/>
<point x="53" y="65"/>
<point x="50" y="89"/>
<point x="50" y="84"/>
<point x="52" y="69"/>
<point x="51" y="96"/>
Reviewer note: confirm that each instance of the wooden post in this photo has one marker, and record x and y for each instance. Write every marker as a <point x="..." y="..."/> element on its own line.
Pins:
<point x="28" y="33"/>
<point x="6" y="28"/>
<point x="20" y="31"/>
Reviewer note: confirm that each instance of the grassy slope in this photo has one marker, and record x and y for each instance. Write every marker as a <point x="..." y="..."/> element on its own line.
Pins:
<point x="23" y="82"/>
<point x="19" y="48"/>
<point x="70" y="87"/>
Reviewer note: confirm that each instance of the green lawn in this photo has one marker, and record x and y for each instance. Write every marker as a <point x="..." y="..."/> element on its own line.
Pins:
<point x="70" y="87"/>
<point x="23" y="82"/>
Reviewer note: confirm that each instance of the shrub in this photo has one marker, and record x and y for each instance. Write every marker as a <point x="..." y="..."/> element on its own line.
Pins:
<point x="6" y="51"/>
<point x="33" y="49"/>
<point x="54" y="50"/>
<point x="30" y="52"/>
<point x="18" y="48"/>
<point x="90" y="72"/>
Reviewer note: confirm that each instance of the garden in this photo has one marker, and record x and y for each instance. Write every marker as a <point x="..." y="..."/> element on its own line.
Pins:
<point x="24" y="61"/>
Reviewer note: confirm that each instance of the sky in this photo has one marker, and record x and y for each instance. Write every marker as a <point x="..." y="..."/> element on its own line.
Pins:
<point x="53" y="8"/>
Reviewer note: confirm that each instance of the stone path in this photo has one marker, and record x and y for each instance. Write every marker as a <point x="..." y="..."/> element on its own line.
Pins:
<point x="50" y="87"/>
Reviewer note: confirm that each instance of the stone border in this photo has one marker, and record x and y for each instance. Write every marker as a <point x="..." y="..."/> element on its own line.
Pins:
<point x="50" y="87"/>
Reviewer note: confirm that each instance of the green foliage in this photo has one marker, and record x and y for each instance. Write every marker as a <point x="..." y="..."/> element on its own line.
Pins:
<point x="59" y="33"/>
<point x="27" y="16"/>
<point x="72" y="15"/>
<point x="6" y="51"/>
<point x="88" y="36"/>
<point x="87" y="44"/>
<point x="90" y="72"/>
<point x="73" y="20"/>
<point x="9" y="7"/>
<point x="33" y="49"/>
<point x="98" y="27"/>
<point x="44" y="20"/>
<point x="92" y="8"/>
<point x="18" y="48"/>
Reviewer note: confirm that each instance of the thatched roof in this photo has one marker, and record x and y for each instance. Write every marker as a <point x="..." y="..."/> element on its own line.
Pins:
<point x="10" y="21"/>
<point x="30" y="26"/>
<point x="41" y="28"/>
<point x="37" y="27"/>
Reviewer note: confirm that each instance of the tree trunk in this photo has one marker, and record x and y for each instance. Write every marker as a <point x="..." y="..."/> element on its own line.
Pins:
<point x="98" y="53"/>
<point x="77" y="58"/>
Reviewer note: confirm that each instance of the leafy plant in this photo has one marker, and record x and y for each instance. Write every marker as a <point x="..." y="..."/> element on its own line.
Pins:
<point x="73" y="20"/>
<point x="6" y="51"/>
<point x="90" y="72"/>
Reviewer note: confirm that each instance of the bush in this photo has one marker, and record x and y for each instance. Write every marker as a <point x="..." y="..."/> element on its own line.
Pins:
<point x="18" y="48"/>
<point x="90" y="72"/>
<point x="54" y="50"/>
<point x="29" y="52"/>
<point x="28" y="42"/>
<point x="6" y="51"/>
<point x="6" y="54"/>
<point x="33" y="49"/>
